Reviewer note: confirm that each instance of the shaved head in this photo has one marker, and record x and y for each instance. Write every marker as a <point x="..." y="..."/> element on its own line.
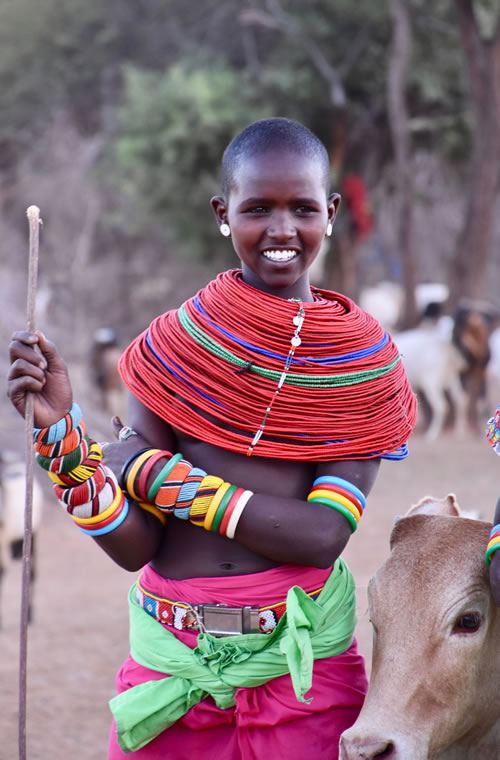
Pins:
<point x="273" y="135"/>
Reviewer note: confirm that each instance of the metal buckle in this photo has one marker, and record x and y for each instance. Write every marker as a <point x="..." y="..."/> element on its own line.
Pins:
<point x="221" y="620"/>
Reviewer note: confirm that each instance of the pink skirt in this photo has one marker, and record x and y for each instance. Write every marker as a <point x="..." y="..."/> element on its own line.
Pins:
<point x="267" y="720"/>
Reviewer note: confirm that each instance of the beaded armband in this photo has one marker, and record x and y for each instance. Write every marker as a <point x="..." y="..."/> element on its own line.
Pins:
<point x="493" y="431"/>
<point x="86" y="488"/>
<point x="493" y="543"/>
<point x="341" y="495"/>
<point x="184" y="491"/>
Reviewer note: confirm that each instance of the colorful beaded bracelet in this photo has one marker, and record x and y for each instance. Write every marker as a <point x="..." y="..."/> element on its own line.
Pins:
<point x="341" y="495"/>
<point x="113" y="525"/>
<point x="59" y="429"/>
<point x="493" y="543"/>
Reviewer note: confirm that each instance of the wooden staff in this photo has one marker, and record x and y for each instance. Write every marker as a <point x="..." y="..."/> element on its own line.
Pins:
<point x="33" y="213"/>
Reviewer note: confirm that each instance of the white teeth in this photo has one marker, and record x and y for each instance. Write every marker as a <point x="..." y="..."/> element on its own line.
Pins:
<point x="280" y="255"/>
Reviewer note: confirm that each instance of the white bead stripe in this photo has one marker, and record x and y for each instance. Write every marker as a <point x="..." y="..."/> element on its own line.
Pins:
<point x="237" y="512"/>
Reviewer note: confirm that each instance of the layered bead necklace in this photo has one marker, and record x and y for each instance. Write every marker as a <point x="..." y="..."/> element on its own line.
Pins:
<point x="253" y="373"/>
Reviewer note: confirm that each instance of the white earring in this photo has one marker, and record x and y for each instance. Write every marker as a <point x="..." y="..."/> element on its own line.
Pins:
<point x="329" y="229"/>
<point x="225" y="229"/>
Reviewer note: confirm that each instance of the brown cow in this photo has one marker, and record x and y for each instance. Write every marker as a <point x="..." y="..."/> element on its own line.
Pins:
<point x="436" y="657"/>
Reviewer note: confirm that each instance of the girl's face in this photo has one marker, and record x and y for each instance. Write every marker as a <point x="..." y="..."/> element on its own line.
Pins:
<point x="278" y="212"/>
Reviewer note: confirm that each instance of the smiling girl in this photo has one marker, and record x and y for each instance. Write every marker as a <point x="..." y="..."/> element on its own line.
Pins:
<point x="283" y="399"/>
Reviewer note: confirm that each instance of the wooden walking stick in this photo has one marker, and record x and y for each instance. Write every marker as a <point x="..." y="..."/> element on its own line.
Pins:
<point x="33" y="213"/>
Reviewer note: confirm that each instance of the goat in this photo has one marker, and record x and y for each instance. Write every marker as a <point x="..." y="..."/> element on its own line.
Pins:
<point x="471" y="335"/>
<point x="105" y="354"/>
<point x="433" y="365"/>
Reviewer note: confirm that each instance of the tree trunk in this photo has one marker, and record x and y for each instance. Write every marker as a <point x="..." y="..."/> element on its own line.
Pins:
<point x="474" y="248"/>
<point x="398" y="121"/>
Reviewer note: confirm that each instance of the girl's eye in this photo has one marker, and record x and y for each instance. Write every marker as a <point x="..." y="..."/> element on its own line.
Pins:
<point x="469" y="622"/>
<point x="257" y="210"/>
<point x="305" y="210"/>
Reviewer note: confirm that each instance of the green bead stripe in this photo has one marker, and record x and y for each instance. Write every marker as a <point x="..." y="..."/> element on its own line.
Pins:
<point x="292" y="378"/>
<point x="222" y="508"/>
<point x="162" y="475"/>
<point x="68" y="461"/>
<point x="490" y="551"/>
<point x="339" y="508"/>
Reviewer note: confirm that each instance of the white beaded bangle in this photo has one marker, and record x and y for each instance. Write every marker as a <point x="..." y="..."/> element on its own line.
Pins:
<point x="237" y="512"/>
<point x="105" y="498"/>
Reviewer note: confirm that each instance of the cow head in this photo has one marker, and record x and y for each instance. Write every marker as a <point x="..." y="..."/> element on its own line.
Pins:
<point x="436" y="657"/>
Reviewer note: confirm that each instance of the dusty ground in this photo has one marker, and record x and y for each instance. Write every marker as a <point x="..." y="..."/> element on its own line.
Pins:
<point x="80" y="632"/>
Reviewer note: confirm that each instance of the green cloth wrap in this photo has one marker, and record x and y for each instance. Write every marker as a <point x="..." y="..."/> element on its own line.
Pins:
<point x="309" y="630"/>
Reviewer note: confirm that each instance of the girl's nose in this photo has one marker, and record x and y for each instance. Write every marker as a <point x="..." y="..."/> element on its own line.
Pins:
<point x="281" y="228"/>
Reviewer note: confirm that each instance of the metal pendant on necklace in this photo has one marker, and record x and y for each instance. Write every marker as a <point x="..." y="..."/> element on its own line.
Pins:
<point x="295" y="341"/>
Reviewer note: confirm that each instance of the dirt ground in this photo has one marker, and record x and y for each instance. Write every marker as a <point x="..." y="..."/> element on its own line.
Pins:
<point x="79" y="635"/>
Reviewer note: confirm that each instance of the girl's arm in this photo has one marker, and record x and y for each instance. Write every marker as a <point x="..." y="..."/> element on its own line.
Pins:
<point x="296" y="531"/>
<point x="285" y="530"/>
<point x="38" y="368"/>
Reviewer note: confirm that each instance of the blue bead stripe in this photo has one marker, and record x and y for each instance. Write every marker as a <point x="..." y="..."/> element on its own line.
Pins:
<point x="333" y="480"/>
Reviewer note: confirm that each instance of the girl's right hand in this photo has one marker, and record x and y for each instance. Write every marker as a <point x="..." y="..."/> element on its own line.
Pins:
<point x="42" y="373"/>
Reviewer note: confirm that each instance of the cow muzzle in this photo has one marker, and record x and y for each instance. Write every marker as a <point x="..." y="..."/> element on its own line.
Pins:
<point x="354" y="746"/>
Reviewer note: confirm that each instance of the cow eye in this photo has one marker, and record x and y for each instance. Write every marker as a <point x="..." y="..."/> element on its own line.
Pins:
<point x="469" y="622"/>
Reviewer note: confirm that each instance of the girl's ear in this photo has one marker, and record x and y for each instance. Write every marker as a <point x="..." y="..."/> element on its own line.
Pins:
<point x="219" y="207"/>
<point x="333" y="205"/>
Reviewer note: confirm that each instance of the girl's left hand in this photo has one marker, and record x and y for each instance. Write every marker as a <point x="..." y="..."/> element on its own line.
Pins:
<point x="116" y="454"/>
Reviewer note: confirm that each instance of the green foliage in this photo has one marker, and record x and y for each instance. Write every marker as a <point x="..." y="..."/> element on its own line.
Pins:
<point x="52" y="54"/>
<point x="487" y="13"/>
<point x="437" y="86"/>
<point x="174" y="128"/>
<point x="191" y="75"/>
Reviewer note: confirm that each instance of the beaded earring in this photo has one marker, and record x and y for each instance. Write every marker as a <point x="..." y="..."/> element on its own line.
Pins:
<point x="329" y="229"/>
<point x="225" y="229"/>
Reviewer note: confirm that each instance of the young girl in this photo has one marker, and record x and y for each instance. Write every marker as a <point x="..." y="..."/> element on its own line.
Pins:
<point x="282" y="399"/>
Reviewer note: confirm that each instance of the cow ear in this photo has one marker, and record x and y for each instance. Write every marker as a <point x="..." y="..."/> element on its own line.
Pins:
<point x="431" y="506"/>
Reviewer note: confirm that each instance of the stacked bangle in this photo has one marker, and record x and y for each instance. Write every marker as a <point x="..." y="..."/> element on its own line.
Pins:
<point x="493" y="543"/>
<point x="234" y="517"/>
<point x="185" y="491"/>
<point x="134" y="468"/>
<point x="59" y="429"/>
<point x="206" y="492"/>
<point x="341" y="495"/>
<point x="162" y="475"/>
<point x="226" y="509"/>
<point x="67" y="462"/>
<point x="86" y="488"/>
<point x="493" y="431"/>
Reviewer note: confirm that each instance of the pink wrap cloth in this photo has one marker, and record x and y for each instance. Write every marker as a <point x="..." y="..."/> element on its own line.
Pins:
<point x="267" y="720"/>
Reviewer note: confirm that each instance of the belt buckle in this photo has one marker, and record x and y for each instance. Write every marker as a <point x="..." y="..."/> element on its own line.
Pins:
<point x="221" y="620"/>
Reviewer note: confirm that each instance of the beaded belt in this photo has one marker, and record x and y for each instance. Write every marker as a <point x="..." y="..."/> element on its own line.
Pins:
<point x="216" y="619"/>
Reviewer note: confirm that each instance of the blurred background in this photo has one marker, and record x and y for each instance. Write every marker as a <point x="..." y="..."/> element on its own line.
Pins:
<point x="113" y="120"/>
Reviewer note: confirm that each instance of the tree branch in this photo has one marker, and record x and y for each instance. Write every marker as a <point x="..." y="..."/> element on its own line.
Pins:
<point x="278" y="19"/>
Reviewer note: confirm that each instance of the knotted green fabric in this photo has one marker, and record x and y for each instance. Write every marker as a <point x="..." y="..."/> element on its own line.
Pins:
<point x="218" y="666"/>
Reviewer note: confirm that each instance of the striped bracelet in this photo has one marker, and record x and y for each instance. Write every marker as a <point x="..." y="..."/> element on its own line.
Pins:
<point x="59" y="429"/>
<point x="493" y="543"/>
<point x="185" y="491"/>
<point x="341" y="495"/>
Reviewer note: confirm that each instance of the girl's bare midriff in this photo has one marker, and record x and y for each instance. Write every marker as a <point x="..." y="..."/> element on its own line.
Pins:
<point x="188" y="552"/>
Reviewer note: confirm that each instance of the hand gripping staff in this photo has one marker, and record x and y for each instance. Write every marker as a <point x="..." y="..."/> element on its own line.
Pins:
<point x="34" y="221"/>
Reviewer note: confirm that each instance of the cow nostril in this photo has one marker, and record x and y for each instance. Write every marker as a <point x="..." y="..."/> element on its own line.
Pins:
<point x="387" y="752"/>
